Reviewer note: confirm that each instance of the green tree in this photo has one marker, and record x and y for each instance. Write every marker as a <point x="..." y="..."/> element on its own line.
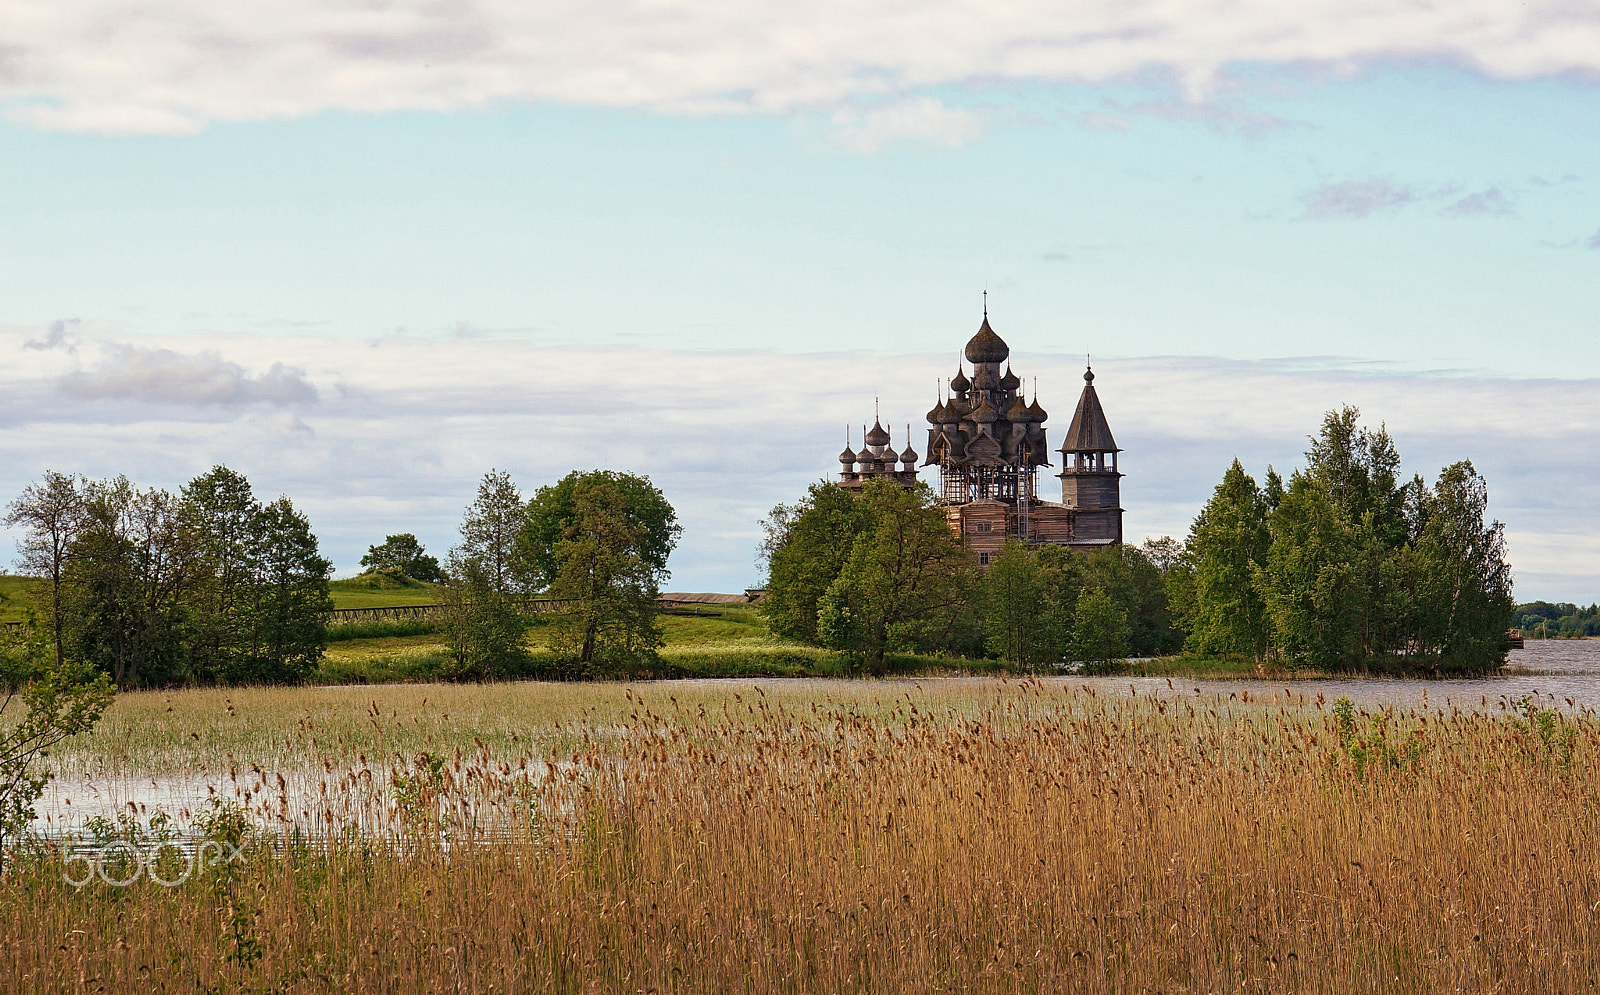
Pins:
<point x="553" y="509"/>
<point x="258" y="607"/>
<point x="1099" y="630"/>
<point x="51" y="514"/>
<point x="57" y="701"/>
<point x="611" y="627"/>
<point x="806" y="546"/>
<point x="1176" y="564"/>
<point x="291" y="600"/>
<point x="1135" y="584"/>
<point x="907" y="584"/>
<point x="1466" y="581"/>
<point x="483" y="627"/>
<point x="132" y="570"/>
<point x="1345" y="565"/>
<point x="1026" y="627"/>
<point x="403" y="554"/>
<point x="1358" y="468"/>
<point x="1221" y="607"/>
<point x="1313" y="583"/>
<point x="490" y="528"/>
<point x="219" y="513"/>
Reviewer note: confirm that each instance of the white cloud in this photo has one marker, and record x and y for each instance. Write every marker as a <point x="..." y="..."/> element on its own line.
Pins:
<point x="405" y="427"/>
<point x="164" y="376"/>
<point x="129" y="66"/>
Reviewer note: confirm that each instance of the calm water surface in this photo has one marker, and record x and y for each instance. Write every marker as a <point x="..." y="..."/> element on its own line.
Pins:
<point x="1562" y="674"/>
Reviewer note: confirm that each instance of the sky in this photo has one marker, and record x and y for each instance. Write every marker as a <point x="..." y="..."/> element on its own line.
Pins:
<point x="364" y="252"/>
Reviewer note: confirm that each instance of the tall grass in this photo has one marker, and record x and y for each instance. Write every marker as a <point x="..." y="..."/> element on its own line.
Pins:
<point x="383" y="628"/>
<point x="836" y="836"/>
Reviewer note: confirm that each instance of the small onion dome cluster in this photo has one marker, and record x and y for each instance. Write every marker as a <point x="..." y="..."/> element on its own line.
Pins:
<point x="877" y="453"/>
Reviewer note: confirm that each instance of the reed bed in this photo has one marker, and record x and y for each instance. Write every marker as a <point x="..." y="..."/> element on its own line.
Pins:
<point x="862" y="837"/>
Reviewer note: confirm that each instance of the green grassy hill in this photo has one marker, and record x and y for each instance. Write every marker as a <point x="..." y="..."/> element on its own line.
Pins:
<point x="720" y="641"/>
<point x="375" y="590"/>
<point x="15" y="589"/>
<point x="365" y="591"/>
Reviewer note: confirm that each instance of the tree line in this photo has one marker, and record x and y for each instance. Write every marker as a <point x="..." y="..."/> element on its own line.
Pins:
<point x="209" y="585"/>
<point x="880" y="572"/>
<point x="1543" y="620"/>
<point x="1344" y="566"/>
<point x="213" y="586"/>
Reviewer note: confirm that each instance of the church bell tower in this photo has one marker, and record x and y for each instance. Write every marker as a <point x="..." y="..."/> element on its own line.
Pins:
<point x="1090" y="482"/>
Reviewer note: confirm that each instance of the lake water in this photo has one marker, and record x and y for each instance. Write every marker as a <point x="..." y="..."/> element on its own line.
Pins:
<point x="1562" y="674"/>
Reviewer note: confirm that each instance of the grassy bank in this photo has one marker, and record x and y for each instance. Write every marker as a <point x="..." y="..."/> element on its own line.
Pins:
<point x="374" y="590"/>
<point x="727" y="641"/>
<point x="365" y="591"/>
<point x="837" y="837"/>
<point x="16" y="592"/>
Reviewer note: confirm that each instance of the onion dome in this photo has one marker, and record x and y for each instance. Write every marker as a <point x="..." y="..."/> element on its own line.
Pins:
<point x="960" y="384"/>
<point x="936" y="415"/>
<point x="877" y="437"/>
<point x="984" y="413"/>
<point x="1018" y="412"/>
<point x="986" y="346"/>
<point x="909" y="457"/>
<point x="847" y="457"/>
<point x="1036" y="412"/>
<point x="984" y="379"/>
<point x="1010" y="381"/>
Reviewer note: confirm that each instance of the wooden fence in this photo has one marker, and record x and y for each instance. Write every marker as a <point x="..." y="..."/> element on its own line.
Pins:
<point x="529" y="606"/>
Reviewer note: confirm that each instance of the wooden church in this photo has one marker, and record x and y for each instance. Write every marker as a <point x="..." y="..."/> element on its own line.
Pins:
<point x="988" y="441"/>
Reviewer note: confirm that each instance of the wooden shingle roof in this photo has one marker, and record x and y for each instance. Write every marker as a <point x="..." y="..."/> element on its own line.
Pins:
<point x="1089" y="432"/>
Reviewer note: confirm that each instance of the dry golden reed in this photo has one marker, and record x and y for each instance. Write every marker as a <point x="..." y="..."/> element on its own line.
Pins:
<point x="958" y="836"/>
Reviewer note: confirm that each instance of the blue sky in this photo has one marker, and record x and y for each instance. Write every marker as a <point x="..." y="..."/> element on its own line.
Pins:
<point x="455" y="226"/>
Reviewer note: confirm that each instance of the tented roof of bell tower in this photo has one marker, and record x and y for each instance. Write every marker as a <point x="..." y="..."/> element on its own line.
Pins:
<point x="1089" y="432"/>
